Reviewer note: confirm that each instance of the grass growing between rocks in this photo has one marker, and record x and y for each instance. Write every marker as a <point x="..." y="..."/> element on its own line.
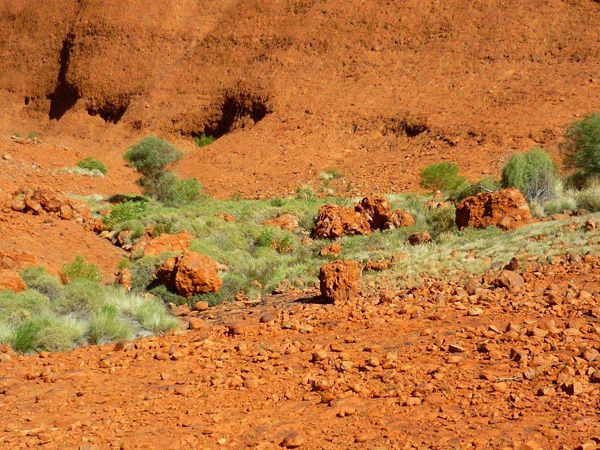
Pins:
<point x="260" y="258"/>
<point x="49" y="316"/>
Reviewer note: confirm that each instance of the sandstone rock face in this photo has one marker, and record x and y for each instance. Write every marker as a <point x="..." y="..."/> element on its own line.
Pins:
<point x="339" y="281"/>
<point x="506" y="209"/>
<point x="336" y="221"/>
<point x="11" y="280"/>
<point x="17" y="260"/>
<point x="168" y="243"/>
<point x="285" y="221"/>
<point x="190" y="274"/>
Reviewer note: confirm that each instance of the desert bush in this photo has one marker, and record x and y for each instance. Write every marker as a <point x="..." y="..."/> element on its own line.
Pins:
<point x="55" y="333"/>
<point x="106" y="326"/>
<point x="203" y="140"/>
<point x="38" y="279"/>
<point x="151" y="314"/>
<point x="182" y="192"/>
<point x="467" y="189"/>
<point x="19" y="307"/>
<point x="441" y="221"/>
<point x="79" y="269"/>
<point x="125" y="212"/>
<point x="81" y="296"/>
<point x="589" y="198"/>
<point x="533" y="173"/>
<point x="581" y="147"/>
<point x="25" y="336"/>
<point x="150" y="158"/>
<point x="441" y="177"/>
<point x="92" y="164"/>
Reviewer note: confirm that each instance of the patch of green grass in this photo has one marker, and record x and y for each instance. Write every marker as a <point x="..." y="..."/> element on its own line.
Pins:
<point x="82" y="171"/>
<point x="79" y="269"/>
<point x="107" y="326"/>
<point x="81" y="312"/>
<point x="204" y="140"/>
<point x="92" y="164"/>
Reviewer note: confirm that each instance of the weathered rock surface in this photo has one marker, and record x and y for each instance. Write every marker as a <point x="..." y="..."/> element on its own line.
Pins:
<point x="168" y="243"/>
<point x="506" y="209"/>
<point x="370" y="214"/>
<point x="339" y="281"/>
<point x="285" y="221"/>
<point x="190" y="274"/>
<point x="336" y="221"/>
<point x="9" y="279"/>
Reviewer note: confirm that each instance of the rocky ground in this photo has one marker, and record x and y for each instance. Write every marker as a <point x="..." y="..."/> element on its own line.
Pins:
<point x="510" y="360"/>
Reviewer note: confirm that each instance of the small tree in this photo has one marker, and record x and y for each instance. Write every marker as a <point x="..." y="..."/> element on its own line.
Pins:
<point x="533" y="173"/>
<point x="581" y="147"/>
<point x="150" y="157"/>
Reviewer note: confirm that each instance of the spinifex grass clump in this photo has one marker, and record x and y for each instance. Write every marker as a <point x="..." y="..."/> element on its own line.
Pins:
<point x="92" y="164"/>
<point x="52" y="317"/>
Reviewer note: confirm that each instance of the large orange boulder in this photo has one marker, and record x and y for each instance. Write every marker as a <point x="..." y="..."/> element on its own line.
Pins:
<point x="336" y="221"/>
<point x="9" y="279"/>
<point x="168" y="243"/>
<point x="506" y="209"/>
<point x="190" y="274"/>
<point x="339" y="281"/>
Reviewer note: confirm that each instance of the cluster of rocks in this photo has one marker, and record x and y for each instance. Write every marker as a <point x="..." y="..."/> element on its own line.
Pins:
<point x="506" y="209"/>
<point x="368" y="215"/>
<point x="45" y="201"/>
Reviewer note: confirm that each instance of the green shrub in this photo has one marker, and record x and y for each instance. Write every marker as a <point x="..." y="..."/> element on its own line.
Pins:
<point x="533" y="173"/>
<point x="560" y="205"/>
<point x="125" y="212"/>
<point x="441" y="177"/>
<point x="79" y="269"/>
<point x="38" y="279"/>
<point x="467" y="189"/>
<point x="149" y="158"/>
<point x="92" y="164"/>
<point x="589" y="199"/>
<point x="6" y="334"/>
<point x="106" y="326"/>
<point x="58" y="333"/>
<point x="182" y="192"/>
<point x="581" y="147"/>
<point x="203" y="140"/>
<point x="26" y="335"/>
<point x="20" y="307"/>
<point x="81" y="296"/>
<point x="143" y="270"/>
<point x="441" y="221"/>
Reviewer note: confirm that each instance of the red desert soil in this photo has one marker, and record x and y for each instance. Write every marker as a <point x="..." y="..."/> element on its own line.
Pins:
<point x="433" y="367"/>
<point x="373" y="90"/>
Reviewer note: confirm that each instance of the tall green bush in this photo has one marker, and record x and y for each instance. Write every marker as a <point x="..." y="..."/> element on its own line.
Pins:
<point x="533" y="173"/>
<point x="581" y="147"/>
<point x="150" y="158"/>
